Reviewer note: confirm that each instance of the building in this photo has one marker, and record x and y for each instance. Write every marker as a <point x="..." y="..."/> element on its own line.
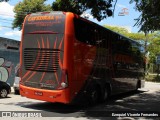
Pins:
<point x="9" y="58"/>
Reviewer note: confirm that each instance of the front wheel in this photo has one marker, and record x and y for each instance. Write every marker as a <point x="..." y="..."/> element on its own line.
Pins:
<point x="3" y="93"/>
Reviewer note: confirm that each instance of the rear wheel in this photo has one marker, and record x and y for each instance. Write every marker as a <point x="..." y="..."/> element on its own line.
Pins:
<point x="93" y="95"/>
<point x="137" y="85"/>
<point x="3" y="93"/>
<point x="105" y="94"/>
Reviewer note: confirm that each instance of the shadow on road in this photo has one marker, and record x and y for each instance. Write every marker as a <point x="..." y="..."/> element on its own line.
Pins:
<point x="5" y="98"/>
<point x="133" y="101"/>
<point x="141" y="102"/>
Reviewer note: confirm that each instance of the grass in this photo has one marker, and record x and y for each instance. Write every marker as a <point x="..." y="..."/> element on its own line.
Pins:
<point x="152" y="78"/>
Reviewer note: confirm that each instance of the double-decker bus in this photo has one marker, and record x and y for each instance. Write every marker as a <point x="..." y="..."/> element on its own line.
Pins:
<point x="65" y="58"/>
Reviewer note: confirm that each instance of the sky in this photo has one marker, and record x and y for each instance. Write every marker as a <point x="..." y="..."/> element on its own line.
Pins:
<point x="127" y="21"/>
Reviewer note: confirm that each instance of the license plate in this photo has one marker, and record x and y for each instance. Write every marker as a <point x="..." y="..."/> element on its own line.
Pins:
<point x="38" y="93"/>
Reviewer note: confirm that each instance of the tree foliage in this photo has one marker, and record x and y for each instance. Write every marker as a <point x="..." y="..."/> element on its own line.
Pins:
<point x="117" y="29"/>
<point x="153" y="40"/>
<point x="99" y="9"/>
<point x="124" y="31"/>
<point x="149" y="20"/>
<point x="134" y="36"/>
<point x="25" y="7"/>
<point x="154" y="48"/>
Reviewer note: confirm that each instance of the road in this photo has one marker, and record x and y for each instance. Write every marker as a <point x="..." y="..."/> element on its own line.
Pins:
<point x="145" y="100"/>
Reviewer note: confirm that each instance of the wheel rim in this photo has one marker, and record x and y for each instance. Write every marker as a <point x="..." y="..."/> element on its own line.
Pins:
<point x="3" y="93"/>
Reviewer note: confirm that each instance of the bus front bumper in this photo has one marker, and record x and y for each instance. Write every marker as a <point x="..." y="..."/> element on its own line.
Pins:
<point x="61" y="96"/>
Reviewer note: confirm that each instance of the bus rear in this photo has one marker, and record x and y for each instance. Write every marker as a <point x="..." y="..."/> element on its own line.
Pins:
<point x="43" y="75"/>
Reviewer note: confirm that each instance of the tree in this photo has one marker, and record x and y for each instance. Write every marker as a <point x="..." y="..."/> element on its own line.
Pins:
<point x="124" y="31"/>
<point x="154" y="48"/>
<point x="149" y="20"/>
<point x="134" y="36"/>
<point x="25" y="7"/>
<point x="100" y="9"/>
<point x="117" y="29"/>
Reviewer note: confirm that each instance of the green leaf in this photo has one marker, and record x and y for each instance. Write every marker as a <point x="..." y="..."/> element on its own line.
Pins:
<point x="25" y="7"/>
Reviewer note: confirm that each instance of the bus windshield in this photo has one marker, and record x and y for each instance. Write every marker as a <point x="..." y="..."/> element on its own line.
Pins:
<point x="43" y="50"/>
<point x="44" y="23"/>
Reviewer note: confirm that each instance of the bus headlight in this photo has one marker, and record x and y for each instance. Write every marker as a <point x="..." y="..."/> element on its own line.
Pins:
<point x="64" y="85"/>
<point x="64" y="80"/>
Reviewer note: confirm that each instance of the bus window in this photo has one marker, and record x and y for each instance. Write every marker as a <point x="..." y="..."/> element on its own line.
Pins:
<point x="84" y="32"/>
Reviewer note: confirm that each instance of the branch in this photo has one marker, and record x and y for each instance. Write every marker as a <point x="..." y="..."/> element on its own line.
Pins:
<point x="114" y="7"/>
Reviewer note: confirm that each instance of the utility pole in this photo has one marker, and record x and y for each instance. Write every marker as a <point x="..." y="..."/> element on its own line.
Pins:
<point x="146" y="51"/>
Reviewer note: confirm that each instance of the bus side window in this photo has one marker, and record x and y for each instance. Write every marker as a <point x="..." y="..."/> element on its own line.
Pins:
<point x="127" y="46"/>
<point x="116" y="43"/>
<point x="84" y="32"/>
<point x="79" y="33"/>
<point x="102" y="39"/>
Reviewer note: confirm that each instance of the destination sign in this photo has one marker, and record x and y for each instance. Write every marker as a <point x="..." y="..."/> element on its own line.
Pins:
<point x="53" y="22"/>
<point x="41" y="18"/>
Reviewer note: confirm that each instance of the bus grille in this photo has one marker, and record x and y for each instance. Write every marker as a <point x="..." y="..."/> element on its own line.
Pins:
<point x="41" y="60"/>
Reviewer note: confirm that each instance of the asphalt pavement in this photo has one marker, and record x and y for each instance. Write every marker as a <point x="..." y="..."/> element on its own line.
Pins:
<point x="143" y="101"/>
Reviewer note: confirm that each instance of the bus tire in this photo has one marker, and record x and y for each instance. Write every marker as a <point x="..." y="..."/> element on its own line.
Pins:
<point x="93" y="95"/>
<point x="105" y="94"/>
<point x="137" y="85"/>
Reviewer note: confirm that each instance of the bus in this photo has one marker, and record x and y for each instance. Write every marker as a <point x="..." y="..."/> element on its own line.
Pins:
<point x="65" y="58"/>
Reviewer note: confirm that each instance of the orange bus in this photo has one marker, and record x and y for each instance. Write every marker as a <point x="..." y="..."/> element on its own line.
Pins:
<point x="65" y="58"/>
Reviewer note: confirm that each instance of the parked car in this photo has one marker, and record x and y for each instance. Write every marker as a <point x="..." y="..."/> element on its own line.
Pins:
<point x="16" y="81"/>
<point x="5" y="89"/>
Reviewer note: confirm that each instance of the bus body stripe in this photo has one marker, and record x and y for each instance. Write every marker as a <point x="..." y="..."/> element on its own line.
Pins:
<point x="60" y="47"/>
<point x="54" y="46"/>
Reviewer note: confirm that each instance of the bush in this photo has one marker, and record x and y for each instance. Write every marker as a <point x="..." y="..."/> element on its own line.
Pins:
<point x="152" y="78"/>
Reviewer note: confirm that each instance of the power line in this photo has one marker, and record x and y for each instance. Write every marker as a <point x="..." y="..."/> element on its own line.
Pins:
<point x="5" y="19"/>
<point x="18" y="14"/>
<point x="21" y="12"/>
<point x="5" y="27"/>
<point x="6" y="15"/>
<point x="6" y="22"/>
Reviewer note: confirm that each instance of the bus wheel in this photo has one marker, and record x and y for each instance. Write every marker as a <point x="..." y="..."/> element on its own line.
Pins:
<point x="93" y="96"/>
<point x="105" y="94"/>
<point x="137" y="85"/>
